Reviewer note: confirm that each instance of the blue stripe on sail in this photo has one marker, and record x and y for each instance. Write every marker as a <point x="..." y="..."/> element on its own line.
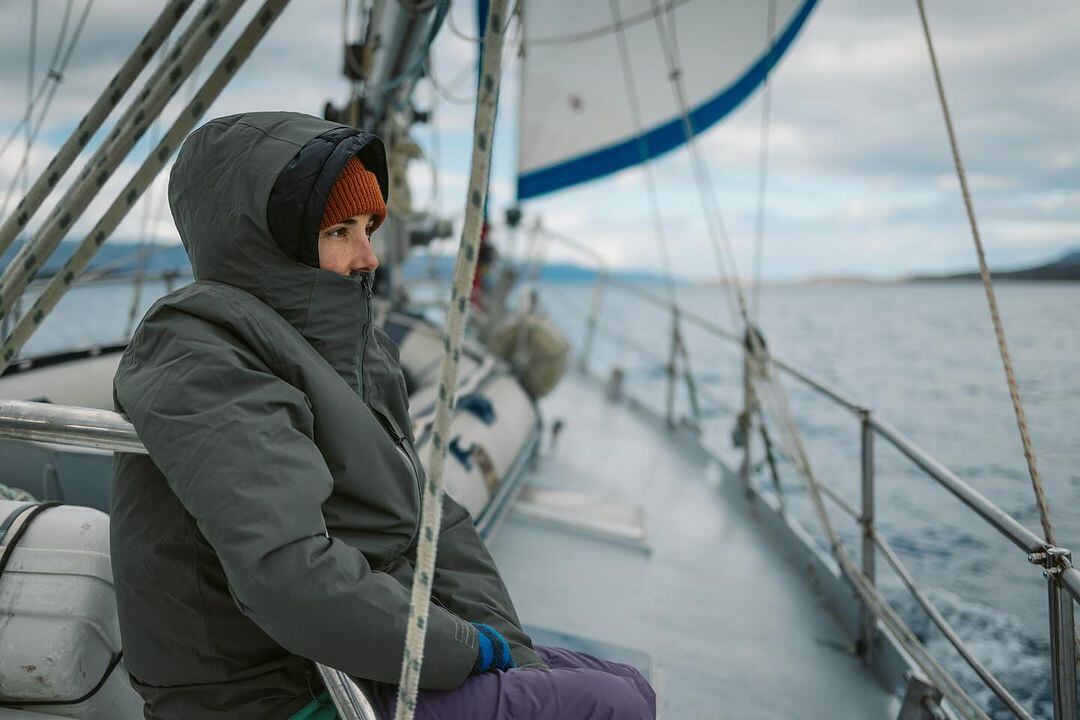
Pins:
<point x="666" y="137"/>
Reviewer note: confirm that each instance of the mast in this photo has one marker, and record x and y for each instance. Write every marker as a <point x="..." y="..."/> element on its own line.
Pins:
<point x="383" y="71"/>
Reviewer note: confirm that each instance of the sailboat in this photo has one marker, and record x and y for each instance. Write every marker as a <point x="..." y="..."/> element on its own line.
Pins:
<point x="619" y="530"/>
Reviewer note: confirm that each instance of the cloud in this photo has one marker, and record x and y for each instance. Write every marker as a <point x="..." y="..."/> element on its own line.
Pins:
<point x="860" y="174"/>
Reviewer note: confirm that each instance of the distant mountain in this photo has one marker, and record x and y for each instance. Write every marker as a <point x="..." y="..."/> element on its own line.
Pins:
<point x="1066" y="267"/>
<point x="443" y="267"/>
<point x="118" y="257"/>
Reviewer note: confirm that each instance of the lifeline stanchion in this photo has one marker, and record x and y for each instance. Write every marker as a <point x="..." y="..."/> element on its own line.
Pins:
<point x="599" y="285"/>
<point x="669" y="413"/>
<point x="688" y="378"/>
<point x="868" y="624"/>
<point x="487" y="99"/>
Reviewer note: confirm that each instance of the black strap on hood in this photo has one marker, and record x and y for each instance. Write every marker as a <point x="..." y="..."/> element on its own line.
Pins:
<point x="300" y="193"/>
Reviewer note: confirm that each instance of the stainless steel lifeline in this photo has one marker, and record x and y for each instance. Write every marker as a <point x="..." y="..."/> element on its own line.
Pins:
<point x="1063" y="580"/>
<point x="106" y="430"/>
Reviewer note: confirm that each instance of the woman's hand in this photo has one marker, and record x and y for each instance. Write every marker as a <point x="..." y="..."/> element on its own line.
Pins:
<point x="494" y="651"/>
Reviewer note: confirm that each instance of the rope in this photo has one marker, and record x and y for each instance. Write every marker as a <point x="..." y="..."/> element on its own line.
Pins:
<point x="151" y="207"/>
<point x="158" y="91"/>
<point x="464" y="270"/>
<point x="714" y="220"/>
<point x="232" y="60"/>
<point x="773" y="392"/>
<point x="643" y="151"/>
<point x="615" y="27"/>
<point x="31" y="62"/>
<point x="50" y="83"/>
<point x="95" y="116"/>
<point x="947" y="630"/>
<point x="774" y="472"/>
<point x="991" y="298"/>
<point x="763" y="164"/>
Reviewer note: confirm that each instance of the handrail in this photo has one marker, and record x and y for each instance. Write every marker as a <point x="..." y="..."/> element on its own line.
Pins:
<point x="947" y="630"/>
<point x="1063" y="579"/>
<point x="67" y="425"/>
<point x="812" y="381"/>
<point x="1004" y="523"/>
<point x="1070" y="578"/>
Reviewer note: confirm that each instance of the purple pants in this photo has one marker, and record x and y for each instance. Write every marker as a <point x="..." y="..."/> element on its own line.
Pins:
<point x="577" y="687"/>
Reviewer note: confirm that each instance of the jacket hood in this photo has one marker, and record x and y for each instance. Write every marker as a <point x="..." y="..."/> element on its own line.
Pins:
<point x="247" y="193"/>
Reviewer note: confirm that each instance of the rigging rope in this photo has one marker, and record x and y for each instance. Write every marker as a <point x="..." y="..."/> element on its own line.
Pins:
<point x="151" y="205"/>
<point x="157" y="92"/>
<point x="714" y="220"/>
<point x="991" y="298"/>
<point x="233" y="59"/>
<point x="773" y="395"/>
<point x="615" y="27"/>
<point x="51" y="82"/>
<point x="464" y="270"/>
<point x="34" y="96"/>
<point x="95" y="116"/>
<point x="32" y="60"/>
<point x="763" y="163"/>
<point x="643" y="150"/>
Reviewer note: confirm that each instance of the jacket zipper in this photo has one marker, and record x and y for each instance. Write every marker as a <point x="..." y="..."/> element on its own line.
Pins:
<point x="400" y="442"/>
<point x="399" y="438"/>
<point x="364" y="393"/>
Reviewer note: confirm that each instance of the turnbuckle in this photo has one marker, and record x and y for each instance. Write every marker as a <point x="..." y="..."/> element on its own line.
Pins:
<point x="1053" y="560"/>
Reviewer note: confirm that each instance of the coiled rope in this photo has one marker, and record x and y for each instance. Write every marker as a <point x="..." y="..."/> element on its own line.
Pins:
<point x="991" y="298"/>
<point x="464" y="269"/>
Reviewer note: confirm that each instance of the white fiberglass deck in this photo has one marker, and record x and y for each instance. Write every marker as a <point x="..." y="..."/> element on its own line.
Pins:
<point x="720" y="604"/>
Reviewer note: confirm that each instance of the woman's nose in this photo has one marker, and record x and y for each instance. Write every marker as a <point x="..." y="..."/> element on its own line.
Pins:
<point x="365" y="259"/>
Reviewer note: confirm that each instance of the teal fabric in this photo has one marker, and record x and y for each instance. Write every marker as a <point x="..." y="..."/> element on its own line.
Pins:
<point x="318" y="709"/>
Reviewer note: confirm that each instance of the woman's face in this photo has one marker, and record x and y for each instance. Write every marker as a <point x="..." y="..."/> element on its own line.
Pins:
<point x="346" y="248"/>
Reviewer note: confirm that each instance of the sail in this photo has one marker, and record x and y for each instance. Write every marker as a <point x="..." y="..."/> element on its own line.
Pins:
<point x="577" y="114"/>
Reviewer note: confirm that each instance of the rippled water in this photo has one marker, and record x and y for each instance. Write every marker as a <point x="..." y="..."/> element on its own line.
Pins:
<point x="923" y="357"/>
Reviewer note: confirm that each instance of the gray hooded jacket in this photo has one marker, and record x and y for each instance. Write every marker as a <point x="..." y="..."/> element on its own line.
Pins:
<point x="275" y="519"/>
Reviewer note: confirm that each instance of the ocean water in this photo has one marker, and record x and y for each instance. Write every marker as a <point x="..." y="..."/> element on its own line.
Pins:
<point x="923" y="357"/>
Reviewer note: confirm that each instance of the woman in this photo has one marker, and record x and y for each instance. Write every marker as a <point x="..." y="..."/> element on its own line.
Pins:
<point x="274" y="521"/>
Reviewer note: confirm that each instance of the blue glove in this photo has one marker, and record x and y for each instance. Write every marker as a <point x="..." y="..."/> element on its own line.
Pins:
<point x="494" y="651"/>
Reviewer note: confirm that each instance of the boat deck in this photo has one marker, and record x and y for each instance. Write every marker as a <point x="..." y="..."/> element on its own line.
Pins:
<point x="718" y="602"/>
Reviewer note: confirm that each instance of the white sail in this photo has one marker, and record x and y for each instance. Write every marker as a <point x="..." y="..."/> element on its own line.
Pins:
<point x="576" y="116"/>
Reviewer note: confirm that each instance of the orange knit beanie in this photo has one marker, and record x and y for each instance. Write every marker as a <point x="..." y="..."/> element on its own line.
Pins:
<point x="355" y="192"/>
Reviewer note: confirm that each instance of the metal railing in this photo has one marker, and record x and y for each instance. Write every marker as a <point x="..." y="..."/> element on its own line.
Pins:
<point x="106" y="430"/>
<point x="109" y="431"/>
<point x="1062" y="579"/>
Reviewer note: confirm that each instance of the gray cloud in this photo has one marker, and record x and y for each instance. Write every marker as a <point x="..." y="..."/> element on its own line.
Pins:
<point x="860" y="175"/>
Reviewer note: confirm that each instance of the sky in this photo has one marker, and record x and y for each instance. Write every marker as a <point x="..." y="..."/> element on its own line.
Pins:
<point x="860" y="178"/>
